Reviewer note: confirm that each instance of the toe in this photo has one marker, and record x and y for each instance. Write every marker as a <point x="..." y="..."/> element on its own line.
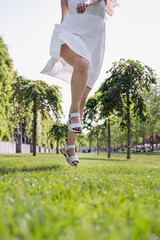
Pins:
<point x="78" y="129"/>
<point x="75" y="163"/>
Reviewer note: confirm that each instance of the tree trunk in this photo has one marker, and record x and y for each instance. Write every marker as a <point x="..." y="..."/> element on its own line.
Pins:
<point x="90" y="144"/>
<point x="136" y="146"/>
<point x="109" y="139"/>
<point x="106" y="146"/>
<point x="129" y="128"/>
<point x="144" y="143"/>
<point x="34" y="128"/>
<point x="21" y="133"/>
<point x="57" y="148"/>
<point x="97" y="144"/>
<point x="152" y="143"/>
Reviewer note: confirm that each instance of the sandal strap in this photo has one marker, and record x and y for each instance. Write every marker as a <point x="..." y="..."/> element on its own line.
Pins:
<point x="67" y="147"/>
<point x="69" y="159"/>
<point x="73" y="159"/>
<point x="76" y="125"/>
<point x="71" y="115"/>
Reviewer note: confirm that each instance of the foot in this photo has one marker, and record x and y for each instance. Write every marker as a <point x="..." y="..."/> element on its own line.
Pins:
<point x="76" y="120"/>
<point x="71" y="153"/>
<point x="74" y="123"/>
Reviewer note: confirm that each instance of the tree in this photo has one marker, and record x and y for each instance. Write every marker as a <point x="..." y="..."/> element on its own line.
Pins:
<point x="81" y="141"/>
<point x="90" y="138"/>
<point x="138" y="133"/>
<point x="92" y="116"/>
<point x="122" y="93"/>
<point x="118" y="137"/>
<point x="59" y="131"/>
<point x="44" y="98"/>
<point x="100" y="132"/>
<point x="44" y="125"/>
<point x="7" y="76"/>
<point x="153" y="102"/>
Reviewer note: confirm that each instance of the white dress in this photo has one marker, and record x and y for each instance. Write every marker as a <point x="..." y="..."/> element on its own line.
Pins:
<point x="85" y="35"/>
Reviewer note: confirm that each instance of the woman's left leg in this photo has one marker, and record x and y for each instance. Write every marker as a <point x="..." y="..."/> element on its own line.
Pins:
<point x="72" y="136"/>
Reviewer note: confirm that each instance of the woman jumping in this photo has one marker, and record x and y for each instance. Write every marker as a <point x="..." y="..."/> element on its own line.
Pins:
<point x="77" y="51"/>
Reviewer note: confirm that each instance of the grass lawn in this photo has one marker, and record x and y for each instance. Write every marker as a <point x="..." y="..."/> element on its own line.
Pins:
<point x="44" y="197"/>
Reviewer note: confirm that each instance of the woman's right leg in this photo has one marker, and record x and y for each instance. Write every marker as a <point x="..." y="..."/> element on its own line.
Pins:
<point x="79" y="76"/>
<point x="78" y="84"/>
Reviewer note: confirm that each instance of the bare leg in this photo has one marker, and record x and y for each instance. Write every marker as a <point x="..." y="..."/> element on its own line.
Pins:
<point x="79" y="77"/>
<point x="78" y="86"/>
<point x="72" y="136"/>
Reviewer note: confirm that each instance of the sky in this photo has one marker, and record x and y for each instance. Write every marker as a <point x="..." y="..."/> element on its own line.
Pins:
<point x="133" y="32"/>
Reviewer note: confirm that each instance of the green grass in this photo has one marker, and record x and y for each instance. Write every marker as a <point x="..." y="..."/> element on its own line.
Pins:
<point x="44" y="197"/>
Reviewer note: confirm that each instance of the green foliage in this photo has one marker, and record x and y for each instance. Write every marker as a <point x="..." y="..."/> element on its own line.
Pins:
<point x="59" y="132"/>
<point x="118" y="137"/>
<point x="46" y="98"/>
<point x="92" y="139"/>
<point x="127" y="78"/>
<point x="121" y="95"/>
<point x="81" y="141"/>
<point x="44" y="125"/>
<point x="21" y="99"/>
<point x="7" y="76"/>
<point x="45" y="198"/>
<point x="28" y="123"/>
<point x="90" y="112"/>
<point x="153" y="103"/>
<point x="148" y="129"/>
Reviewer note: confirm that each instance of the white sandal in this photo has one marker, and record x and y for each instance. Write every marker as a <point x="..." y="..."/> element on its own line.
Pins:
<point x="71" y="159"/>
<point x="71" y="127"/>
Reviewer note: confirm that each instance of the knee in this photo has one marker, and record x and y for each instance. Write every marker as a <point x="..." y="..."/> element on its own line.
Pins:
<point x="82" y="65"/>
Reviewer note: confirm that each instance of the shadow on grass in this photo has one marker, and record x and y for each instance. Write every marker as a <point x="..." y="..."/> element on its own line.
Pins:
<point x="31" y="169"/>
<point x="24" y="155"/>
<point x="17" y="156"/>
<point x="147" y="153"/>
<point x="103" y="159"/>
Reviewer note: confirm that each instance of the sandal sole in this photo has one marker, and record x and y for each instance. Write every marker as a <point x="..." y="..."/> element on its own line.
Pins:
<point x="66" y="156"/>
<point x="74" y="131"/>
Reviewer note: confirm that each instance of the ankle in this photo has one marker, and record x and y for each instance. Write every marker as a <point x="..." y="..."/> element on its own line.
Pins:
<point x="72" y="152"/>
<point x="75" y="120"/>
<point x="74" y="117"/>
<point x="74" y="109"/>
